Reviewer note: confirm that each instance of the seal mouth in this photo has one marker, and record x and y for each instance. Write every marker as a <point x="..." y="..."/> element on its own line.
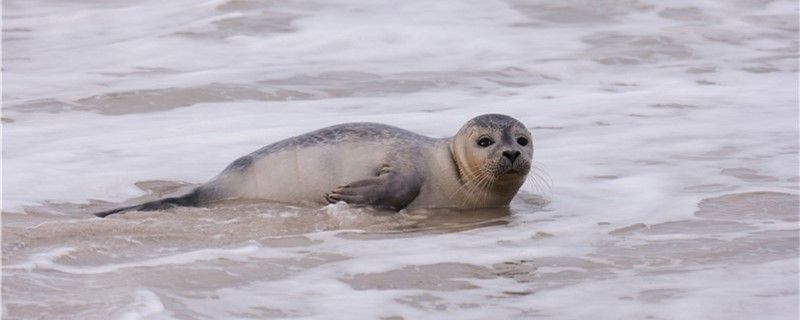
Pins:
<point x="511" y="174"/>
<point x="514" y="171"/>
<point x="507" y="170"/>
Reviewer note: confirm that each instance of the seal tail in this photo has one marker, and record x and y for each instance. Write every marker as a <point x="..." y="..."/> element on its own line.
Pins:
<point x="192" y="199"/>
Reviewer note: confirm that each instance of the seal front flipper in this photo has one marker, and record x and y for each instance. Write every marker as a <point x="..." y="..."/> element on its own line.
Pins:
<point x="391" y="189"/>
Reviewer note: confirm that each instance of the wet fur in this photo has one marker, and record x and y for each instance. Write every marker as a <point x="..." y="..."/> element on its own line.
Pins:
<point x="375" y="165"/>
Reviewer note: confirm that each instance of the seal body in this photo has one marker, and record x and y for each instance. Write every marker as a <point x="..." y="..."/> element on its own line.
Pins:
<point x="378" y="165"/>
<point x="309" y="167"/>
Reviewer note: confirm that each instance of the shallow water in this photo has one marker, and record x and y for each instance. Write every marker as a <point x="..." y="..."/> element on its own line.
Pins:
<point x="667" y="134"/>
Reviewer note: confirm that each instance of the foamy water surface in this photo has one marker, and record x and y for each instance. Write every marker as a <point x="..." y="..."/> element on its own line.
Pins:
<point x="667" y="131"/>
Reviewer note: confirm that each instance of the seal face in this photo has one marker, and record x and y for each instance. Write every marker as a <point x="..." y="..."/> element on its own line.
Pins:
<point x="483" y="165"/>
<point x="493" y="147"/>
<point x="493" y="154"/>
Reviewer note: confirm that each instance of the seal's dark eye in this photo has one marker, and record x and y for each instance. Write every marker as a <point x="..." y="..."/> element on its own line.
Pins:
<point x="522" y="141"/>
<point x="485" y="142"/>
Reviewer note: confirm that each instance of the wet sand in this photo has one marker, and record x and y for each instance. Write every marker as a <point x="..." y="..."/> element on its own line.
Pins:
<point x="666" y="153"/>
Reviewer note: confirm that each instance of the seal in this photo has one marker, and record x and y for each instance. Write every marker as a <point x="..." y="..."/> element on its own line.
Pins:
<point x="377" y="165"/>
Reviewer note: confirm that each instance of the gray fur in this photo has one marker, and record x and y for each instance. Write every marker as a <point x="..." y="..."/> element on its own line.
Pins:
<point x="376" y="165"/>
<point x="495" y="121"/>
<point x="355" y="131"/>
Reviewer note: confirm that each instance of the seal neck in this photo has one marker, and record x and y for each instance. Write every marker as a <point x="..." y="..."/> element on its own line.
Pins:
<point x="465" y="174"/>
<point x="459" y="171"/>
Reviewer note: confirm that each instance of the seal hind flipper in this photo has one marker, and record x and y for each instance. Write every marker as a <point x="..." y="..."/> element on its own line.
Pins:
<point x="391" y="189"/>
<point x="191" y="199"/>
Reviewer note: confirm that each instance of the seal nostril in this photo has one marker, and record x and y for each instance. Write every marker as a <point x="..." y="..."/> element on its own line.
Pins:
<point x="511" y="155"/>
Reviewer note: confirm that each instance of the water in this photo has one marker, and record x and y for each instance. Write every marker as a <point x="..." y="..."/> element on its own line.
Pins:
<point x="668" y="133"/>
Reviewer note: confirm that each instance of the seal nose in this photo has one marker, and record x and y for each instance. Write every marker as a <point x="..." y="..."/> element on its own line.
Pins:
<point x="511" y="155"/>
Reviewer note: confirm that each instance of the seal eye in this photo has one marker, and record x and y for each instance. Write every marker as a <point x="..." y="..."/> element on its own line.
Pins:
<point x="485" y="142"/>
<point x="522" y="141"/>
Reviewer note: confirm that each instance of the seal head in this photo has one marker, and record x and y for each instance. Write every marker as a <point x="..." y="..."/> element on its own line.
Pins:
<point x="493" y="151"/>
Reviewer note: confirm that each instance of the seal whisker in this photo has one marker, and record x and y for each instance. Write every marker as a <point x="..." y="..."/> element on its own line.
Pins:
<point x="485" y="189"/>
<point x="482" y="189"/>
<point x="485" y="192"/>
<point x="469" y="184"/>
<point x="470" y="188"/>
<point x="476" y="186"/>
<point x="540" y="178"/>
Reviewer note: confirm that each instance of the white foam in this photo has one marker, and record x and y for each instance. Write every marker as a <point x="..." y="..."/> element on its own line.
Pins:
<point x="47" y="259"/>
<point x="629" y="107"/>
<point x="43" y="259"/>
<point x="147" y="305"/>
